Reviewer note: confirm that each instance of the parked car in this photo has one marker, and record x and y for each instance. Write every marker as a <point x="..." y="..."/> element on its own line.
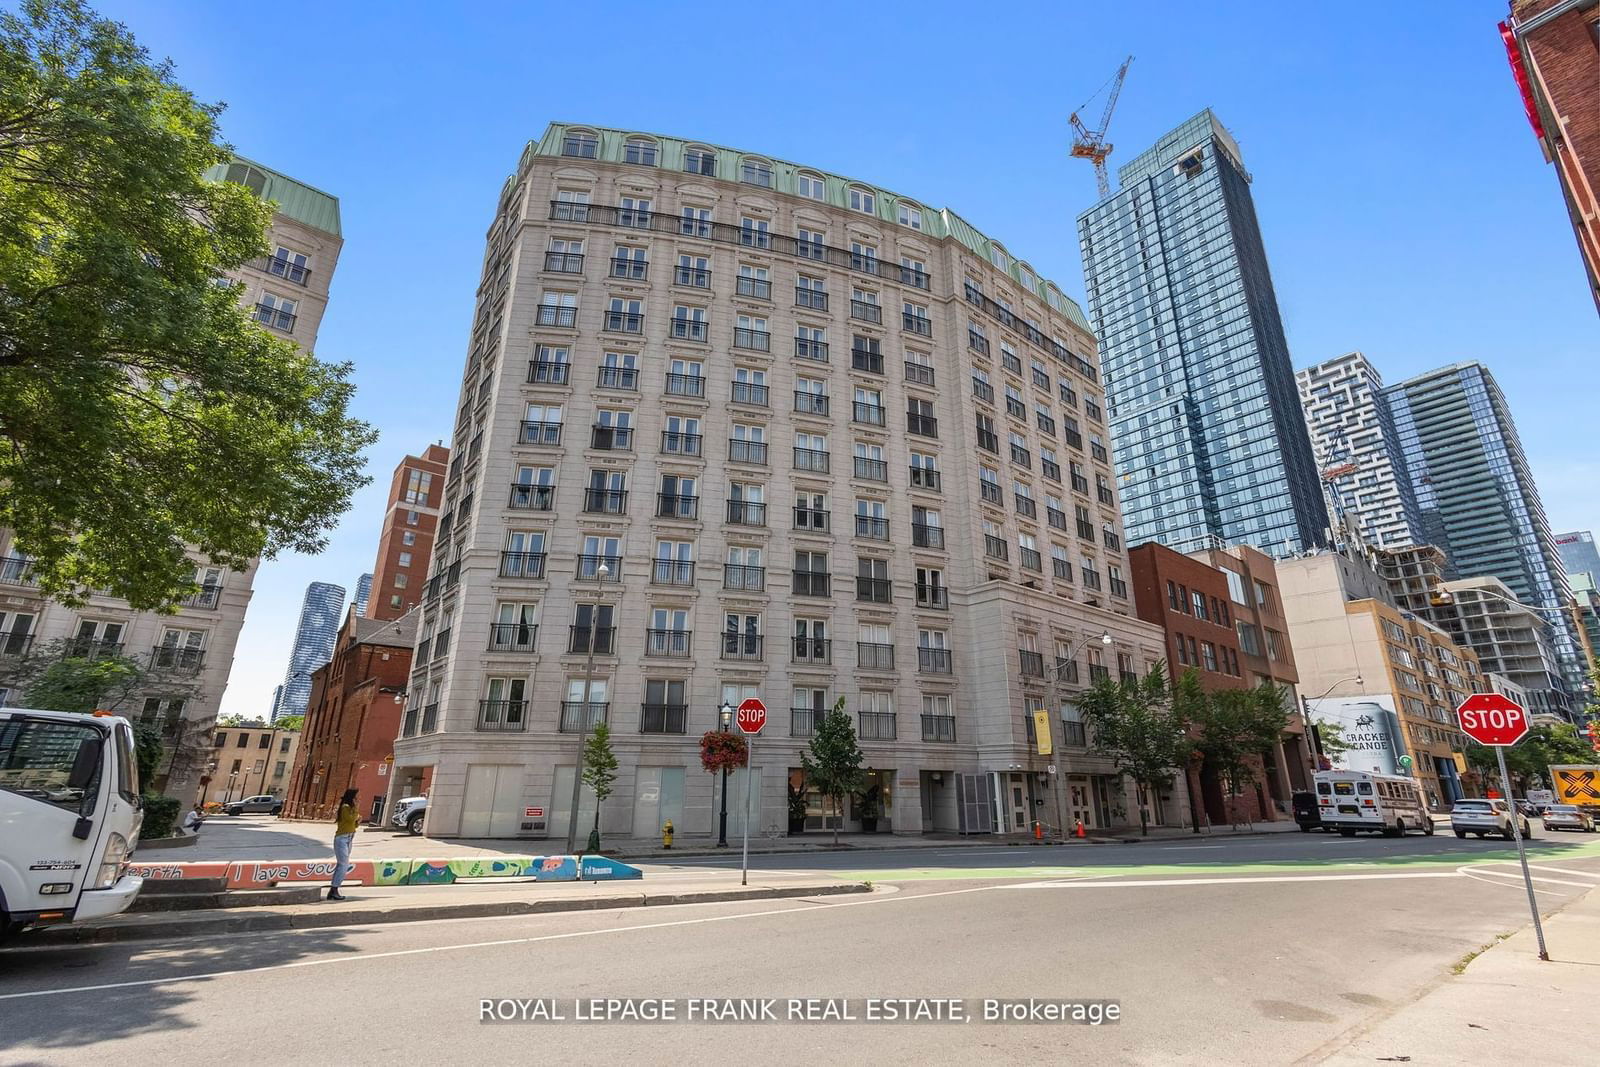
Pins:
<point x="1483" y="817"/>
<point x="262" y="805"/>
<point x="408" y="813"/>
<point x="1568" y="817"/>
<point x="1304" y="804"/>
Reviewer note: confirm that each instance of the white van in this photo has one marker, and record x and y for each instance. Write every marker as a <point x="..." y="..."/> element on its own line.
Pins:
<point x="1348" y="801"/>
<point x="69" y="817"/>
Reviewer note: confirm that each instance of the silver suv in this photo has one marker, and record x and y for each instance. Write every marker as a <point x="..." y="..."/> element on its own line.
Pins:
<point x="408" y="813"/>
<point x="1483" y="817"/>
<point x="262" y="805"/>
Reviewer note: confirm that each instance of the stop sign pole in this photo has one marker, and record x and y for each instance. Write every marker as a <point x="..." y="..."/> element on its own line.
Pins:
<point x="1495" y="720"/>
<point x="752" y="717"/>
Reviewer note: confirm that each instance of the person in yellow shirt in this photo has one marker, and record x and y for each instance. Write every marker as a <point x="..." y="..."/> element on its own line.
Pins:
<point x="344" y="836"/>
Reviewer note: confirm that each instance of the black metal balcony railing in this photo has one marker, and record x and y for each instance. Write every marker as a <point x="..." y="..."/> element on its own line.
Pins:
<point x="749" y="393"/>
<point x="803" y="721"/>
<point x="1118" y="587"/>
<point x="865" y="359"/>
<point x="629" y="268"/>
<point x="814" y="519"/>
<point x="1016" y="408"/>
<point x="1104" y="495"/>
<point x="578" y="715"/>
<point x="1026" y="505"/>
<point x="287" y="269"/>
<point x="804" y="348"/>
<point x="275" y="317"/>
<point x="16" y="570"/>
<point x="79" y="647"/>
<point x="625" y="321"/>
<point x="919" y="373"/>
<point x="173" y="658"/>
<point x="1098" y="672"/>
<point x="673" y="644"/>
<point x="16" y="643"/>
<point x="810" y="650"/>
<point x="611" y="438"/>
<point x="512" y="636"/>
<point x="988" y="440"/>
<point x="617" y="378"/>
<point x="564" y="262"/>
<point x="871" y="655"/>
<point x="502" y="715"/>
<point x="1066" y="669"/>
<point x="1021" y="456"/>
<point x="995" y="547"/>
<point x="672" y="572"/>
<point x="810" y="583"/>
<point x="756" y="288"/>
<point x="663" y="718"/>
<point x="872" y="470"/>
<point x="922" y="425"/>
<point x="747" y="513"/>
<point x="870" y="414"/>
<point x="638" y="218"/>
<point x="694" y="278"/>
<point x="811" y="459"/>
<point x="933" y="596"/>
<point x="441" y="643"/>
<point x="1091" y="578"/>
<point x="686" y="385"/>
<point x="1011" y="362"/>
<point x="806" y="403"/>
<point x="939" y="728"/>
<point x="755" y="340"/>
<point x="983" y="390"/>
<point x="532" y="497"/>
<point x="925" y="536"/>
<point x="744" y="577"/>
<point x="560" y="315"/>
<point x="1032" y="663"/>
<point x="581" y="636"/>
<point x="522" y="564"/>
<point x="589" y="567"/>
<point x="1110" y="539"/>
<point x="875" y="725"/>
<point x="978" y="343"/>
<point x="689" y="329"/>
<point x="430" y="718"/>
<point x="875" y="590"/>
<point x="991" y="492"/>
<point x="605" y="501"/>
<point x="677" y="506"/>
<point x="815" y="299"/>
<point x="925" y="478"/>
<point x="933" y="660"/>
<point x="1055" y="517"/>
<point x="206" y="597"/>
<point x="409" y="727"/>
<point x="866" y="312"/>
<point x="548" y="372"/>
<point x="1080" y="484"/>
<point x="1062" y="569"/>
<point x="745" y="451"/>
<point x="1098" y="452"/>
<point x="873" y="527"/>
<point x="1030" y="559"/>
<point x="740" y="646"/>
<point x="1050" y="469"/>
<point x="540" y="433"/>
<point x="681" y="444"/>
<point x="1073" y="438"/>
<point x="1041" y="379"/>
<point x="917" y="324"/>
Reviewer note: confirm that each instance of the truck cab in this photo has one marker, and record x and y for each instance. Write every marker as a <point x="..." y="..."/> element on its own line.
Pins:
<point x="70" y="812"/>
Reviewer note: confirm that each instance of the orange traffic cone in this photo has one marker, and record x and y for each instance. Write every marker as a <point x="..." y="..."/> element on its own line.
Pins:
<point x="1038" y="831"/>
<point x="1079" y="831"/>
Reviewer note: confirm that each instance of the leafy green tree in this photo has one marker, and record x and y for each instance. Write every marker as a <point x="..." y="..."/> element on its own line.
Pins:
<point x="1234" y="727"/>
<point x="1331" y="736"/>
<point x="143" y="415"/>
<point x="1138" y="727"/>
<point x="83" y="684"/>
<point x="1533" y="756"/>
<point x="599" y="774"/>
<point x="290" y="722"/>
<point x="231" y="720"/>
<point x="832" y="762"/>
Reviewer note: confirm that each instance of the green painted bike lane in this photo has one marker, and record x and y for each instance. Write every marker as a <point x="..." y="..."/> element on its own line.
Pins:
<point x="1548" y="850"/>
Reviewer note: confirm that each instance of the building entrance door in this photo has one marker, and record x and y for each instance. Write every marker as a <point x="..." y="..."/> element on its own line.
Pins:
<point x="1079" y="808"/>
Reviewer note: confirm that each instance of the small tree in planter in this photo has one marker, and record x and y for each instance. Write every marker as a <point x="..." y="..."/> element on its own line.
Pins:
<point x="797" y="808"/>
<point x="833" y="760"/>
<point x="599" y="774"/>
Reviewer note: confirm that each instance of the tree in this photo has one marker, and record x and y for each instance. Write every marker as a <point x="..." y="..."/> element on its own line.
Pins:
<point x="1233" y="727"/>
<point x="143" y="415"/>
<point x="832" y="762"/>
<point x="1136" y="726"/>
<point x="289" y="722"/>
<point x="599" y="774"/>
<point x="82" y="684"/>
<point x="1533" y="755"/>
<point x="1330" y="736"/>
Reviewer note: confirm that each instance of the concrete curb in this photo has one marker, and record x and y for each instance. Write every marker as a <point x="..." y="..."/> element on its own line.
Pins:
<point x="259" y="922"/>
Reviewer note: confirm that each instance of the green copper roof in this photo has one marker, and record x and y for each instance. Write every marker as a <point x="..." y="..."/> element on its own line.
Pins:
<point x="295" y="200"/>
<point x="937" y="223"/>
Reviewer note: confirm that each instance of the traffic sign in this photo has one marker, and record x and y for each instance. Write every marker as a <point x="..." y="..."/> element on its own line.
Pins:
<point x="752" y="715"/>
<point x="1492" y="719"/>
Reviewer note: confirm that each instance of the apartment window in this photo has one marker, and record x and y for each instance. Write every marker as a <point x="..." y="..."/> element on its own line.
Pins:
<point x="744" y="569"/>
<point x="756" y="172"/>
<point x="685" y="377"/>
<point x="625" y="316"/>
<point x="811" y="186"/>
<point x="748" y="444"/>
<point x="876" y="719"/>
<point x="874" y="649"/>
<point x="408" y="537"/>
<point x="924" y="471"/>
<point x="1198" y="600"/>
<point x="989" y="485"/>
<point x="863" y="257"/>
<point x="277" y="312"/>
<point x="920" y="419"/>
<point x="639" y="151"/>
<point x="751" y="332"/>
<point x="872" y="519"/>
<point x="404" y="559"/>
<point x="811" y="576"/>
<point x="592" y="623"/>
<point x="910" y="216"/>
<point x="872" y="581"/>
<point x="927" y="528"/>
<point x="809" y="244"/>
<point x="869" y="462"/>
<point x="754" y="282"/>
<point x="629" y="261"/>
<point x="1028" y="552"/>
<point x="1263" y="596"/>
<point x="418" y="484"/>
<point x="862" y="200"/>
<point x="1060" y="563"/>
<point x="696" y="222"/>
<point x="579" y="144"/>
<point x="753" y="233"/>
<point x="931" y="592"/>
<point x="678" y="499"/>
<point x="811" y="453"/>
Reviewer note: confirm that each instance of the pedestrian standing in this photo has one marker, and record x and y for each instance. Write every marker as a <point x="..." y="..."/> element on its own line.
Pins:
<point x="344" y="836"/>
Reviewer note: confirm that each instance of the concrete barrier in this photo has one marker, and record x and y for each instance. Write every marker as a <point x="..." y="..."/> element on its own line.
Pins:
<point x="256" y="874"/>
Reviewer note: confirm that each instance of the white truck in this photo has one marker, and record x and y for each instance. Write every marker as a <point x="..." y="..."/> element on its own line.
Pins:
<point x="69" y="817"/>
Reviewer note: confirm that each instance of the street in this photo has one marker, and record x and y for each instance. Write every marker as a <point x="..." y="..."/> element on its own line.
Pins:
<point x="1254" y="950"/>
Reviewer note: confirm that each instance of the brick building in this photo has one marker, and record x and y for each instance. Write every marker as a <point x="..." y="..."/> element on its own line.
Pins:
<point x="410" y="523"/>
<point x="1554" y="47"/>
<point x="356" y="701"/>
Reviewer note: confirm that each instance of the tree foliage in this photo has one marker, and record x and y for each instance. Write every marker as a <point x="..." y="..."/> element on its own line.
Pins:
<point x="142" y="413"/>
<point x="1233" y="727"/>
<point x="832" y="762"/>
<point x="1138" y="727"/>
<point x="289" y="722"/>
<point x="64" y="682"/>
<point x="599" y="767"/>
<point x="1533" y="755"/>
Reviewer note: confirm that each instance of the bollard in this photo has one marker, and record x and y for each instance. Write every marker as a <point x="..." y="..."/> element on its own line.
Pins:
<point x="666" y="835"/>
<point x="1079" y="832"/>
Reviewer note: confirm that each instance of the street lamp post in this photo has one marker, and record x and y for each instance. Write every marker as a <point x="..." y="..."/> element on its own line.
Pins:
<point x="722" y="819"/>
<point x="601" y="573"/>
<point x="1055" y="705"/>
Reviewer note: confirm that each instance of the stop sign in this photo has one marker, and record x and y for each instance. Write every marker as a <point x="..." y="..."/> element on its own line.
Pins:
<point x="752" y="716"/>
<point x="1492" y="719"/>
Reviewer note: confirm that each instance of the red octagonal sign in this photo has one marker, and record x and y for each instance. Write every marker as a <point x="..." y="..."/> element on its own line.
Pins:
<point x="752" y="715"/>
<point x="1492" y="719"/>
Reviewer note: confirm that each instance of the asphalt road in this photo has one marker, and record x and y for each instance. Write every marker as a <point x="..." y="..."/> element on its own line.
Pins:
<point x="1252" y="950"/>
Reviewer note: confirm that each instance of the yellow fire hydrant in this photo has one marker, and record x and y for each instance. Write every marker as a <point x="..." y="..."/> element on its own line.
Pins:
<point x="666" y="835"/>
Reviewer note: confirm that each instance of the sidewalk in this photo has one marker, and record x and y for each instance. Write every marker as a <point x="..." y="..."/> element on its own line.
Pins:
<point x="397" y="904"/>
<point x="1506" y="1006"/>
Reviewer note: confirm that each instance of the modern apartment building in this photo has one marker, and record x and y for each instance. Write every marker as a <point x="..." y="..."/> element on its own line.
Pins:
<point x="1389" y="679"/>
<point x="314" y="635"/>
<point x="250" y="760"/>
<point x="1578" y="554"/>
<point x="190" y="652"/>
<point x="363" y="594"/>
<point x="701" y="455"/>
<point x="1364" y="477"/>
<point x="1554" y="48"/>
<point x="1212" y="447"/>
<point x="1478" y="502"/>
<point x="410" y="523"/>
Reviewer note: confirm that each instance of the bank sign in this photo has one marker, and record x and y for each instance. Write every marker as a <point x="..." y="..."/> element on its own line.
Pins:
<point x="1370" y="728"/>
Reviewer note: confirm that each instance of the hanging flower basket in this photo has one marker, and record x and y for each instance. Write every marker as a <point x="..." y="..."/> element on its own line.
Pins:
<point x="723" y="751"/>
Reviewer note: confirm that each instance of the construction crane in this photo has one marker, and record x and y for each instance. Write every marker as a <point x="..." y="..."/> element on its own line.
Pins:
<point x="1091" y="144"/>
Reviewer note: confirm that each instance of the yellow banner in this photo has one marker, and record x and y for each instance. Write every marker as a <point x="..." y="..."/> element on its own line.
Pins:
<point x="1041" y="731"/>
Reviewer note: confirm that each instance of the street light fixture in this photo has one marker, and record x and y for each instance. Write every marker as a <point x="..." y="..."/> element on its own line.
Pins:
<point x="1106" y="639"/>
<point x="722" y="819"/>
<point x="600" y="575"/>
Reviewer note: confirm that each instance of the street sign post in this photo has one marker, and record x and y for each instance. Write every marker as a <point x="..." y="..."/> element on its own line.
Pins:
<point x="751" y="718"/>
<point x="1495" y="720"/>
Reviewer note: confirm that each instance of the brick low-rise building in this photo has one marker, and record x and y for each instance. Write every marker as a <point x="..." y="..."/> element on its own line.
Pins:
<point x="350" y="727"/>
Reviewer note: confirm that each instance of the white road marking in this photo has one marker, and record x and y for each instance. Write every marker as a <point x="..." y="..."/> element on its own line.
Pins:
<point x="1096" y="883"/>
<point x="1181" y="848"/>
<point x="1517" y="874"/>
<point x="1563" y="870"/>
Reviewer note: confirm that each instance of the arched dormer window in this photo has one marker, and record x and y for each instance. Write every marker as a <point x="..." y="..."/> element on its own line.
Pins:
<point x="999" y="258"/>
<point x="698" y="159"/>
<point x="580" y="144"/>
<point x="753" y="170"/>
<point x="811" y="186"/>
<point x="910" y="215"/>
<point x="640" y="150"/>
<point x="863" y="200"/>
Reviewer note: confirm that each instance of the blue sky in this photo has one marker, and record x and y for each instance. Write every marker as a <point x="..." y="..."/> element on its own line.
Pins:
<point x="1406" y="208"/>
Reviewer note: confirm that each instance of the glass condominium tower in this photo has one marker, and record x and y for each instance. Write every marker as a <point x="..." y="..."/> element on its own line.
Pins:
<point x="1212" y="447"/>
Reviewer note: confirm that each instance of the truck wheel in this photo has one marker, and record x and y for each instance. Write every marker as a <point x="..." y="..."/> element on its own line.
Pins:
<point x="414" y="825"/>
<point x="1461" y="834"/>
<point x="1347" y="831"/>
<point x="1305" y="829"/>
<point x="1427" y="827"/>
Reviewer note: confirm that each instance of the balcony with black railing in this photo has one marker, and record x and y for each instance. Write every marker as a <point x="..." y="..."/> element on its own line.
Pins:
<point x="1016" y="408"/>
<point x="206" y="598"/>
<point x="872" y="527"/>
<point x="532" y="497"/>
<point x="1091" y="577"/>
<point x="754" y="340"/>
<point x="663" y="718"/>
<point x="15" y="643"/>
<point x="502" y="716"/>
<point x="677" y="506"/>
<point x="686" y="385"/>
<point x="1025" y="505"/>
<point x="1110" y="539"/>
<point x="669" y="644"/>
<point x="874" y="656"/>
<point x="866" y="360"/>
<point x="871" y="470"/>
<point x="1055" y="517"/>
<point x="1099" y="672"/>
<point x="624" y="322"/>
<point x="922" y="425"/>
<point x="1080" y="484"/>
<point x="275" y="317"/>
<point x="983" y="390"/>
<point x="816" y="650"/>
<point x="548" y="372"/>
<point x="1031" y="663"/>
<point x="741" y="450"/>
<point x="617" y="378"/>
<point x="689" y="329"/>
<point x="868" y="414"/>
<point x="811" y="583"/>
<point x="430" y="718"/>
<point x="803" y="721"/>
<point x="589" y="567"/>
<point x="1030" y="559"/>
<point x="564" y="262"/>
<point x="978" y="343"/>
<point x="926" y="478"/>
<point x="611" y="438"/>
<point x="806" y="297"/>
<point x="741" y="646"/>
<point x="1011" y="362"/>
<point x="934" y="661"/>
<point x="540" y="433"/>
<point x="874" y="590"/>
<point x="933" y="596"/>
<point x="805" y="348"/>
<point x="17" y="570"/>
<point x="988" y="440"/>
<point x="287" y="269"/>
<point x="754" y="288"/>
<point x="749" y="393"/>
<point x="605" y="501"/>
<point x="744" y="578"/>
<point x="808" y="403"/>
<point x="925" y="536"/>
<point x="562" y="316"/>
<point x="522" y="564"/>
<point x="694" y="278"/>
<point x="678" y="572"/>
<point x="1104" y="495"/>
<point x="1062" y="568"/>
<point x="1073" y="734"/>
<point x="747" y="513"/>
<point x="1099" y="452"/>
<point x="174" y="658"/>
<point x="77" y="647"/>
<point x="1021" y="456"/>
<point x="578" y="716"/>
<point x="919" y="324"/>
<point x="918" y="373"/>
<point x="939" y="728"/>
<point x="408" y="728"/>
<point x="625" y="267"/>
<point x="991" y="492"/>
<point x="1050" y="469"/>
<point x="875" y="725"/>
<point x="817" y="520"/>
<point x="676" y="443"/>
<point x="811" y="459"/>
<point x="866" y="311"/>
<point x="581" y="636"/>
<point x="995" y="547"/>
<point x="441" y="643"/>
<point x="512" y="636"/>
<point x="1118" y="587"/>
